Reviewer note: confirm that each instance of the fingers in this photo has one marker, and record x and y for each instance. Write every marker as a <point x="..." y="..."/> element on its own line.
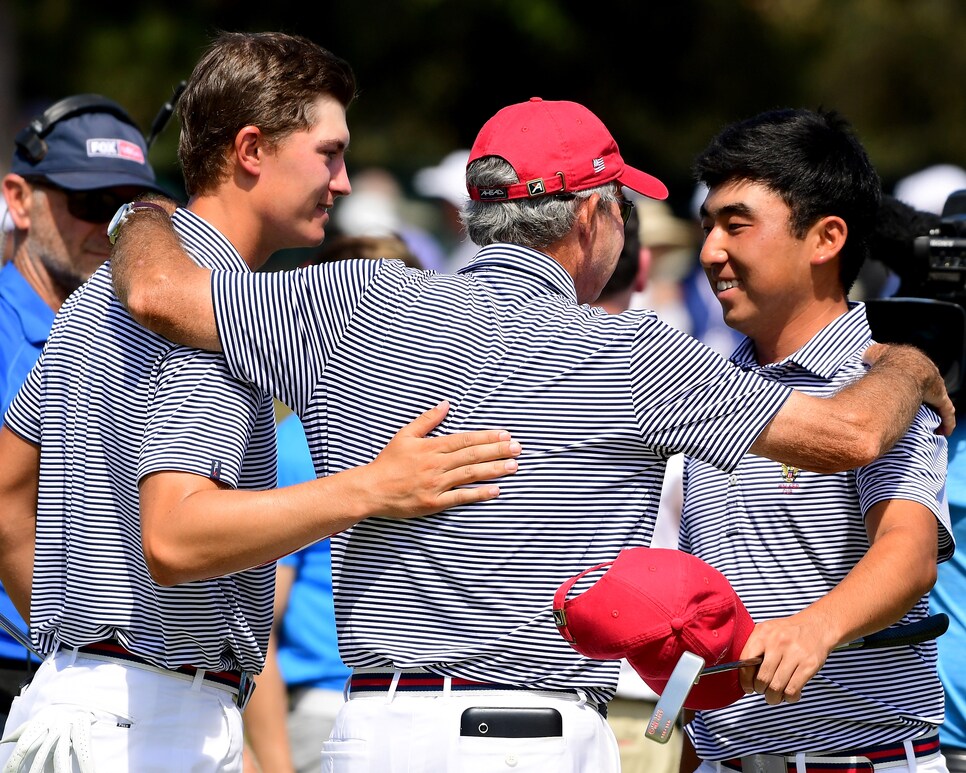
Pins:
<point x="936" y="397"/>
<point x="874" y="352"/>
<point x="468" y="495"/>
<point x="459" y="441"/>
<point x="947" y="417"/>
<point x="426" y="422"/>
<point x="785" y="685"/>
<point x="746" y="678"/>
<point x="485" y="451"/>
<point x="781" y="685"/>
<point x="790" y="654"/>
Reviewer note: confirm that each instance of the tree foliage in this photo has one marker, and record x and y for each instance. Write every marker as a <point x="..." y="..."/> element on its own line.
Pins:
<point x="663" y="76"/>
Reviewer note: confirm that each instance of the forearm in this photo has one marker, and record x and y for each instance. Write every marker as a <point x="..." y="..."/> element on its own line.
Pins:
<point x="215" y="532"/>
<point x="896" y="572"/>
<point x="861" y="421"/>
<point x="18" y="495"/>
<point x="161" y="287"/>
<point x="192" y="528"/>
<point x="16" y="571"/>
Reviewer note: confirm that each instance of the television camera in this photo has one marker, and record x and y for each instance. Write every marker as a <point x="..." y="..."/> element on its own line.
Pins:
<point x="928" y="253"/>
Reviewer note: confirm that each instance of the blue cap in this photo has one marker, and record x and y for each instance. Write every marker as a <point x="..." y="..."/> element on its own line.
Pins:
<point x="90" y="150"/>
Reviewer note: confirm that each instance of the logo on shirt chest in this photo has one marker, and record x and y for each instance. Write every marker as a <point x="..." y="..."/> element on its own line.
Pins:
<point x="789" y="474"/>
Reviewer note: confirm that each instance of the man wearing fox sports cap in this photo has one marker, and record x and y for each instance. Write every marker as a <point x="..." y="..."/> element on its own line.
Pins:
<point x="447" y="622"/>
<point x="72" y="167"/>
<point x="819" y="560"/>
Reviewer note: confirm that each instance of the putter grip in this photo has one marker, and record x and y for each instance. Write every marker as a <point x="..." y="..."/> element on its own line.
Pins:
<point x="931" y="627"/>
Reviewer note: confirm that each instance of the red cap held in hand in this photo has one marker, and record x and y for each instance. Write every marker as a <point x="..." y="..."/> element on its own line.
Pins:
<point x="649" y="607"/>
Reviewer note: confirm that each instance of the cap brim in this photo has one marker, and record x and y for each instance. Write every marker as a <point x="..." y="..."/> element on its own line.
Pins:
<point x="643" y="183"/>
<point x="85" y="181"/>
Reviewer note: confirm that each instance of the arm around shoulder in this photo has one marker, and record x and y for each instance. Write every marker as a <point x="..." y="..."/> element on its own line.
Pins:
<point x="159" y="285"/>
<point x="861" y="421"/>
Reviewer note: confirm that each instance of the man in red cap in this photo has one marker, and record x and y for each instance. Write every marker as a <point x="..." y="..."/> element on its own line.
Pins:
<point x="447" y="622"/>
<point x="819" y="560"/>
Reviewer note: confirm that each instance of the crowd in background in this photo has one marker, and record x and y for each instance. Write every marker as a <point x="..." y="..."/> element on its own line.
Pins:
<point x="383" y="219"/>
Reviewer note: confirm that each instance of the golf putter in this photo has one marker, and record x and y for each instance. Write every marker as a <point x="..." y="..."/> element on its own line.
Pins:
<point x="685" y="675"/>
<point x="931" y="627"/>
<point x="687" y="672"/>
<point x="8" y="625"/>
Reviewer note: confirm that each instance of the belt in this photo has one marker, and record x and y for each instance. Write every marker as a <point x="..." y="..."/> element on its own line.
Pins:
<point x="425" y="682"/>
<point x="870" y="758"/>
<point x="240" y="683"/>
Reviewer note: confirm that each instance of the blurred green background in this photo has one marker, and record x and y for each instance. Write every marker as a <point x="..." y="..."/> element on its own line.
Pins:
<point x="663" y="76"/>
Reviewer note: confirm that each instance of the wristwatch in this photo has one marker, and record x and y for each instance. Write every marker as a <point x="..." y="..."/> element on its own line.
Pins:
<point x="125" y="211"/>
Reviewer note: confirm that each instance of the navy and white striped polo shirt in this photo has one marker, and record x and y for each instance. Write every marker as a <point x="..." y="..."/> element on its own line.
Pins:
<point x="358" y="348"/>
<point x="109" y="403"/>
<point x="785" y="537"/>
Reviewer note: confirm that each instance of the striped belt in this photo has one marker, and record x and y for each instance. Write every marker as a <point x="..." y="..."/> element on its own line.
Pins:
<point x="418" y="681"/>
<point x="871" y="758"/>
<point x="239" y="683"/>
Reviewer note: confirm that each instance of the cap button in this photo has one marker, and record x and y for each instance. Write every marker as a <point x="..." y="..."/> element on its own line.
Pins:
<point x="677" y="624"/>
<point x="536" y="99"/>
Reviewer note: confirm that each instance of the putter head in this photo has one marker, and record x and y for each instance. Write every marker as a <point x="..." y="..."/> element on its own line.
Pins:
<point x="686" y="673"/>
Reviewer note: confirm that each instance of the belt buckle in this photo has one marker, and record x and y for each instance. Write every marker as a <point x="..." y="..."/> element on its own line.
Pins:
<point x="763" y="763"/>
<point x="246" y="686"/>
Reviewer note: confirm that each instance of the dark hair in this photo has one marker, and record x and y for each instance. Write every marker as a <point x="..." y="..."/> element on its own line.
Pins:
<point x="269" y="79"/>
<point x="813" y="161"/>
<point x="629" y="261"/>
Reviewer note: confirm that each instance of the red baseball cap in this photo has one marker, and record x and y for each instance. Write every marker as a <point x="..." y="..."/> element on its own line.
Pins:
<point x="651" y="606"/>
<point x="554" y="147"/>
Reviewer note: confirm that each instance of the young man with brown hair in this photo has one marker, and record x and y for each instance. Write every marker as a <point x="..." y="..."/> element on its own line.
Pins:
<point x="157" y="525"/>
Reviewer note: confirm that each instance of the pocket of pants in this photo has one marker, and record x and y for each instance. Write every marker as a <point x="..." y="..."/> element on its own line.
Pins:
<point x="514" y="755"/>
<point x="350" y="755"/>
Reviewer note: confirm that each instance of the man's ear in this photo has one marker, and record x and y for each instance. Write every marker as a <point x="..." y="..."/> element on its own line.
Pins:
<point x="586" y="209"/>
<point x="19" y="198"/>
<point x="830" y="234"/>
<point x="250" y="148"/>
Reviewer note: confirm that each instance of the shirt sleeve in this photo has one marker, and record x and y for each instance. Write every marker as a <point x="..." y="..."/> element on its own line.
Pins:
<point x="279" y="330"/>
<point x="915" y="470"/>
<point x="24" y="412"/>
<point x="200" y="418"/>
<point x="688" y="398"/>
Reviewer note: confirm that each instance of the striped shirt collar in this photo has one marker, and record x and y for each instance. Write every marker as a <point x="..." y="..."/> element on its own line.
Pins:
<point x="826" y="352"/>
<point x="524" y="261"/>
<point x="206" y="245"/>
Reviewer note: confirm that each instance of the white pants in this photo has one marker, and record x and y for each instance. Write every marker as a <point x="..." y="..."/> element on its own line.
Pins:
<point x="141" y="721"/>
<point x="934" y="765"/>
<point x="420" y="733"/>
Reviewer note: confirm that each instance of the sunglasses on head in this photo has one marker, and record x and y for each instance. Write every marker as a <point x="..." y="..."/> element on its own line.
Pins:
<point x="93" y="206"/>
